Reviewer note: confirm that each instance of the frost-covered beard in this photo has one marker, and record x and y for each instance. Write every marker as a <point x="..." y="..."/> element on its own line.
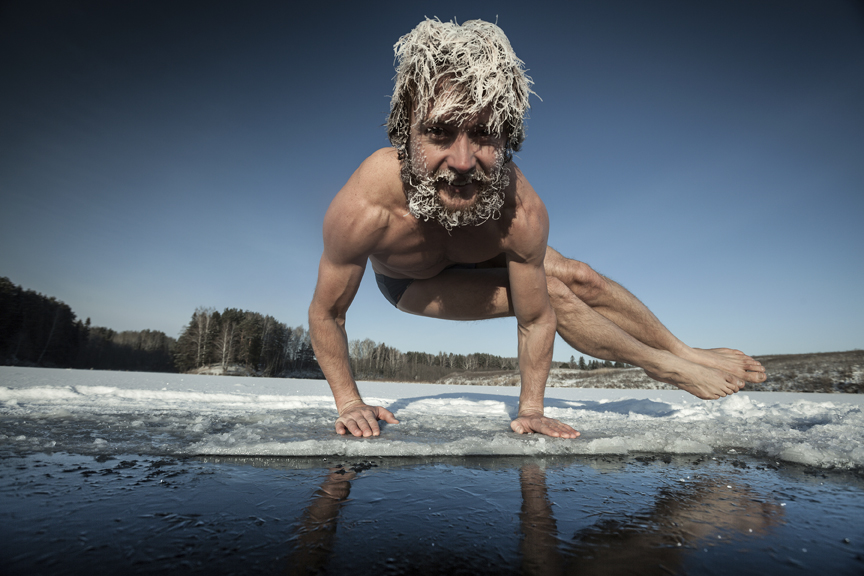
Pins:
<point x="424" y="202"/>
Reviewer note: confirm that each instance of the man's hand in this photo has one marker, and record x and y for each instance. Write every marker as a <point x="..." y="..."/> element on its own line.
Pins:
<point x="362" y="420"/>
<point x="535" y="422"/>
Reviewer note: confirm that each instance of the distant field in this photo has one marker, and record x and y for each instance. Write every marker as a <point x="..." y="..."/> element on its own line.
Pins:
<point x="841" y="372"/>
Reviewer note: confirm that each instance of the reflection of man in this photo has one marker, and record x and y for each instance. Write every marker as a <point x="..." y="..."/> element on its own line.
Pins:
<point x="652" y="541"/>
<point x="539" y="545"/>
<point x="454" y="230"/>
<point x="683" y="517"/>
<point x="317" y="530"/>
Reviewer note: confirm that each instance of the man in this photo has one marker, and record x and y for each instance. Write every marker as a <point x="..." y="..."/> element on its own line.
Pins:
<point x="453" y="230"/>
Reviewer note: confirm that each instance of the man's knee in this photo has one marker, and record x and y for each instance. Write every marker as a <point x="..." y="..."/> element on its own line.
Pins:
<point x="580" y="278"/>
<point x="558" y="291"/>
<point x="563" y="299"/>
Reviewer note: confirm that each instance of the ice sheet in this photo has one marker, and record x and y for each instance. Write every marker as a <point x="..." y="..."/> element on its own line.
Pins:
<point x="93" y="412"/>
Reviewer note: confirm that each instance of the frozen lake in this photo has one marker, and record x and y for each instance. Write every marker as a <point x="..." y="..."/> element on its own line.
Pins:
<point x="104" y="472"/>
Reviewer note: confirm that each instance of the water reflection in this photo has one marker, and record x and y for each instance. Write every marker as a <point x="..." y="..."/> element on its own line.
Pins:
<point x="539" y="545"/>
<point x="313" y="540"/>
<point x="684" y="516"/>
<point x="692" y="515"/>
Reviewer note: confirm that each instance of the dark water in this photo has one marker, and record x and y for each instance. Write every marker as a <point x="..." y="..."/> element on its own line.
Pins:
<point x="71" y="514"/>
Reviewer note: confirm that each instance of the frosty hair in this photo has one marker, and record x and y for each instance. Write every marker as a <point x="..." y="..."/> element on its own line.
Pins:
<point x="464" y="70"/>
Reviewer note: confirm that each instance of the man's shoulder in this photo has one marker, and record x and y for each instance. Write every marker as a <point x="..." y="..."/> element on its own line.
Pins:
<point x="386" y="155"/>
<point x="380" y="168"/>
<point x="375" y="182"/>
<point x="525" y="195"/>
<point x="528" y="224"/>
<point x="361" y="211"/>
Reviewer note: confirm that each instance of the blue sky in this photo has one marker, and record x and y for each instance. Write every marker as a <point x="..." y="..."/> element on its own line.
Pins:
<point x="709" y="156"/>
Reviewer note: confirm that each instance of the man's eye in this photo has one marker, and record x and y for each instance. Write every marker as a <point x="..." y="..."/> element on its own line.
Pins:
<point x="434" y="131"/>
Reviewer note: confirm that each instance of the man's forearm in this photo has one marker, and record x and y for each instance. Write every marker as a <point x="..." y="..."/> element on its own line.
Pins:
<point x="536" y="341"/>
<point x="330" y="343"/>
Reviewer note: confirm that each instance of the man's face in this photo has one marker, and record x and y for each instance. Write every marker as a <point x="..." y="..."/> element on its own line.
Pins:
<point x="455" y="172"/>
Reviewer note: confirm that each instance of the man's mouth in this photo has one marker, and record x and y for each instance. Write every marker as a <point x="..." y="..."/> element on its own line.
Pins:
<point x="457" y="180"/>
<point x="457" y="188"/>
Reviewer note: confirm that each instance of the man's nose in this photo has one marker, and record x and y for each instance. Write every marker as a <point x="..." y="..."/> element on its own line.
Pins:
<point x="462" y="154"/>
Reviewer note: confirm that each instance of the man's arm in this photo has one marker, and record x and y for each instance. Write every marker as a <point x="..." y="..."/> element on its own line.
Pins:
<point x="351" y="227"/>
<point x="336" y="288"/>
<point x="534" y="314"/>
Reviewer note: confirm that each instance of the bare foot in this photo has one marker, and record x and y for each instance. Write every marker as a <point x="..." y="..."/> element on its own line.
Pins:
<point x="731" y="361"/>
<point x="701" y="381"/>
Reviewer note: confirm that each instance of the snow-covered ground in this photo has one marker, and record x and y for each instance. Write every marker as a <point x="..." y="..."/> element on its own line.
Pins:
<point x="825" y="372"/>
<point x="93" y="412"/>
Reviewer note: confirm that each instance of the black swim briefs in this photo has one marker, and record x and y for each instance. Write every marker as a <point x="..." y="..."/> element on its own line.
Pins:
<point x="394" y="288"/>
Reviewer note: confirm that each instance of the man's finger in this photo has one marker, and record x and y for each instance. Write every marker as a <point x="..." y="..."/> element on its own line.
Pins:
<point x="363" y="428"/>
<point x="517" y="427"/>
<point x="549" y="428"/>
<point x="387" y="416"/>
<point x="371" y="424"/>
<point x="353" y="428"/>
<point x="563" y="430"/>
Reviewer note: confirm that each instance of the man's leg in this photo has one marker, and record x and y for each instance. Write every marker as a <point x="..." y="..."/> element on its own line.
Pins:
<point x="483" y="293"/>
<point x="592" y="333"/>
<point x="459" y="294"/>
<point x="619" y="306"/>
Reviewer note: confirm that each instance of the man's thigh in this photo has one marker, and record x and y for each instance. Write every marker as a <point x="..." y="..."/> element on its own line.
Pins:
<point x="459" y="294"/>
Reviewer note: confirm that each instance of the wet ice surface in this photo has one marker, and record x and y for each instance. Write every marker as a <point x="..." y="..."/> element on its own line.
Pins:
<point x="75" y="514"/>
<point x="92" y="412"/>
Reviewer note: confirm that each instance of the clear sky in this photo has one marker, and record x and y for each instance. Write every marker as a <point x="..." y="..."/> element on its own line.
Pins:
<point x="159" y="156"/>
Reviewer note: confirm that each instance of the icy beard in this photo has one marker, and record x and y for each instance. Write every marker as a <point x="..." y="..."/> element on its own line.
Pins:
<point x="422" y="193"/>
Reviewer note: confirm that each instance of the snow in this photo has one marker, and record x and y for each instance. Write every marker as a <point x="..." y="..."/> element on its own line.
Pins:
<point x="93" y="412"/>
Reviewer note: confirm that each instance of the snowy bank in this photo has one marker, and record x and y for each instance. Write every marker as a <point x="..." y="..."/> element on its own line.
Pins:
<point x="92" y="412"/>
<point x="826" y="372"/>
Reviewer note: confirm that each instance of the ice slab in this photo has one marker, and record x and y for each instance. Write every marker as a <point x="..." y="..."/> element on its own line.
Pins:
<point x="118" y="412"/>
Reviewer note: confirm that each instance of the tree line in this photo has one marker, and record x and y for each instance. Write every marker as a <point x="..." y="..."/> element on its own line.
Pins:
<point x="377" y="361"/>
<point x="38" y="330"/>
<point x="591" y="365"/>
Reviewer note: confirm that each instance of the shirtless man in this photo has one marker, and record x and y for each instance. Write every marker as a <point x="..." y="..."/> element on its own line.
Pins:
<point x="453" y="230"/>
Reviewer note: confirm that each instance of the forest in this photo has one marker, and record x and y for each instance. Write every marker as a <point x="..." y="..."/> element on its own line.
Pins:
<point x="38" y="330"/>
<point x="216" y="342"/>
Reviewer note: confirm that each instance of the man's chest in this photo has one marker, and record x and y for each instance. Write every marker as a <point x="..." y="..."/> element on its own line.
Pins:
<point x="421" y="252"/>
